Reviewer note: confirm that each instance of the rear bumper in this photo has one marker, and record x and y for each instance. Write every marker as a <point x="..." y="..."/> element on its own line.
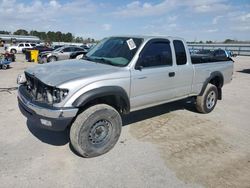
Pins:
<point x="51" y="118"/>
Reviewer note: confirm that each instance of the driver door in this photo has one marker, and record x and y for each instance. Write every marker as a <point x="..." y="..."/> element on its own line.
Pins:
<point x="152" y="80"/>
<point x="65" y="53"/>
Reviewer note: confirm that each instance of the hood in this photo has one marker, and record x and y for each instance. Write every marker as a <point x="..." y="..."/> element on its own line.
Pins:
<point x="60" y="72"/>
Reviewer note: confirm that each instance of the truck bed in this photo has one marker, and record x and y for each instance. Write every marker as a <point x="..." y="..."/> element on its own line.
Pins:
<point x="204" y="58"/>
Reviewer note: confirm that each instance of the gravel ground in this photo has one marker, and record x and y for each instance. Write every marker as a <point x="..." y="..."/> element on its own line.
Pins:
<point x="166" y="146"/>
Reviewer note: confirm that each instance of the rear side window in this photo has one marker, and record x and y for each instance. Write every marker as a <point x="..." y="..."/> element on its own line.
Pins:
<point x="180" y="52"/>
<point x="27" y="45"/>
<point x="77" y="49"/>
<point x="67" y="49"/>
<point x="156" y="54"/>
<point x="219" y="53"/>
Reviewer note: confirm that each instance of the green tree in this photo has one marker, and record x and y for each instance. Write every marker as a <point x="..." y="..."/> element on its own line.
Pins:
<point x="51" y="36"/>
<point x="78" y="39"/>
<point x="68" y="37"/>
<point x="21" y="32"/>
<point x="58" y="36"/>
<point x="5" y="32"/>
<point x="229" y="41"/>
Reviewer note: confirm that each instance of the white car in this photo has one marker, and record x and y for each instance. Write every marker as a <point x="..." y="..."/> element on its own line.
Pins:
<point x="19" y="48"/>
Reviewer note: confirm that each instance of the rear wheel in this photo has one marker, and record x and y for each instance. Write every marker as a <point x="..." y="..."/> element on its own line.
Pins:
<point x="208" y="100"/>
<point x="96" y="130"/>
<point x="79" y="56"/>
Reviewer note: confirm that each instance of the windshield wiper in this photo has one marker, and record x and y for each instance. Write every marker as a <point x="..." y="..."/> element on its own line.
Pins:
<point x="87" y="58"/>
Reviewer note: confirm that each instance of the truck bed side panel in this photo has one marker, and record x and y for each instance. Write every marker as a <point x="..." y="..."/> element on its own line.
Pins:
<point x="203" y="71"/>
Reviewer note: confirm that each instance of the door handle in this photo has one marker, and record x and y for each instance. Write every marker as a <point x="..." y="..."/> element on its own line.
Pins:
<point x="143" y="77"/>
<point x="171" y="74"/>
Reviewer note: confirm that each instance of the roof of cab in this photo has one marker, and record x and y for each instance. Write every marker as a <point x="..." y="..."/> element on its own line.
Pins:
<point x="148" y="37"/>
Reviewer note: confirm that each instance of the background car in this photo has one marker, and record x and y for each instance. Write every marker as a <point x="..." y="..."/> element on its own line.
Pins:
<point x="19" y="48"/>
<point x="61" y="53"/>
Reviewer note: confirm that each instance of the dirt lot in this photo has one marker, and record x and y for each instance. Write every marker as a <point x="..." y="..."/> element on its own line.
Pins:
<point x="166" y="146"/>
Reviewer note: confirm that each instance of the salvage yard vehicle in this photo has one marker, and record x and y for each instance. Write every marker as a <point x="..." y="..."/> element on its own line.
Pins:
<point x="58" y="54"/>
<point x="19" y="48"/>
<point x="8" y="56"/>
<point x="206" y="56"/>
<point x="4" y="63"/>
<point x="119" y="75"/>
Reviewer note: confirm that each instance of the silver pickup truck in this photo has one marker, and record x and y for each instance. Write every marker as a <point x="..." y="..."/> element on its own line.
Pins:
<point x="119" y="75"/>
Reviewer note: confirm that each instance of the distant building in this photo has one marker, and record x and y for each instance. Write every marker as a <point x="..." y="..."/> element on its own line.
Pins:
<point x="4" y="38"/>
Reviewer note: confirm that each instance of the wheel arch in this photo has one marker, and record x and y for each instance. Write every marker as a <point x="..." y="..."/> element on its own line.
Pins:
<point x="53" y="56"/>
<point x="216" y="78"/>
<point x="112" y="95"/>
<point x="13" y="49"/>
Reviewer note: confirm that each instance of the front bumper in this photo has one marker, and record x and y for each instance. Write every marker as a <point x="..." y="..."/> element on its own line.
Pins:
<point x="57" y="118"/>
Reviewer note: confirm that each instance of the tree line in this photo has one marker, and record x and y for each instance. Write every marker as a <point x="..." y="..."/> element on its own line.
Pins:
<point x="51" y="36"/>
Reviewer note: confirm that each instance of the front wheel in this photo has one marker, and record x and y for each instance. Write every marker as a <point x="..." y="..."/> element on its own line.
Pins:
<point x="96" y="130"/>
<point x="52" y="59"/>
<point x="208" y="100"/>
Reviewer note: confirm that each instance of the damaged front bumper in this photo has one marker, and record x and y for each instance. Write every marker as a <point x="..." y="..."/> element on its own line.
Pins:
<point x="43" y="115"/>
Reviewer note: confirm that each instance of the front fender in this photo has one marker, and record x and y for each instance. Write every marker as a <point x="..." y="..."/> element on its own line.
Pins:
<point x="116" y="91"/>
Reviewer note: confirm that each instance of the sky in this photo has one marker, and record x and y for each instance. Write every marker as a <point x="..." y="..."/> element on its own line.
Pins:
<point x="193" y="20"/>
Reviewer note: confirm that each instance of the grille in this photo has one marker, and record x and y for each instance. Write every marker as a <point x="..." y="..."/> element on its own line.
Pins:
<point x="38" y="90"/>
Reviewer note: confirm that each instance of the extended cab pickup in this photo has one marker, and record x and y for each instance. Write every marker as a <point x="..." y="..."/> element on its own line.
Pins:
<point x="118" y="76"/>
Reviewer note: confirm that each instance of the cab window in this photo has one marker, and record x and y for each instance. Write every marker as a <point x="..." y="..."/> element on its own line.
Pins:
<point x="180" y="52"/>
<point x="156" y="54"/>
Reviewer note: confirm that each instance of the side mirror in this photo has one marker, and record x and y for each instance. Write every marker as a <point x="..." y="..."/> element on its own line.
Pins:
<point x="139" y="64"/>
<point x="138" y="67"/>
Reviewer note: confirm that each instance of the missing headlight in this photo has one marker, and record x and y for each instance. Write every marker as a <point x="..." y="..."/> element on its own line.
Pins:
<point x="59" y="94"/>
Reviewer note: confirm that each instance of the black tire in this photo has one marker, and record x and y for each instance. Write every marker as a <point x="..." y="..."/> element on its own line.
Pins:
<point x="52" y="59"/>
<point x="13" y="51"/>
<point x="208" y="100"/>
<point x="96" y="130"/>
<point x="4" y="66"/>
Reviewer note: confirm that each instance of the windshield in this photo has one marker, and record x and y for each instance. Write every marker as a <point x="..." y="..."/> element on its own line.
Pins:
<point x="58" y="49"/>
<point x="117" y="51"/>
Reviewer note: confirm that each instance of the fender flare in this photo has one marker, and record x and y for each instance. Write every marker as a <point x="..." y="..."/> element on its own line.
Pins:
<point x="116" y="91"/>
<point x="207" y="81"/>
